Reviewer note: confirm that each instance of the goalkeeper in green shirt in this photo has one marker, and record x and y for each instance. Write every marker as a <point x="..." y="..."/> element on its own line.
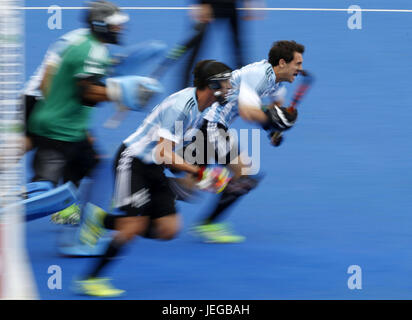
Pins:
<point x="59" y="123"/>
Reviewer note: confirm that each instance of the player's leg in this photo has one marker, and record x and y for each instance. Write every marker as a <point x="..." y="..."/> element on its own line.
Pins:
<point x="81" y="164"/>
<point x="165" y="222"/>
<point x="84" y="160"/>
<point x="240" y="185"/>
<point x="132" y="197"/>
<point x="129" y="183"/>
<point x="49" y="160"/>
<point x="167" y="227"/>
<point x="49" y="163"/>
<point x="92" y="283"/>
<point x="235" y="28"/>
<point x="196" y="43"/>
<point x="210" y="228"/>
<point x="150" y="198"/>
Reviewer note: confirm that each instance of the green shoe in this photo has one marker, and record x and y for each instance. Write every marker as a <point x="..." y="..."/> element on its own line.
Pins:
<point x="97" y="287"/>
<point x="92" y="227"/>
<point x="216" y="233"/>
<point x="70" y="215"/>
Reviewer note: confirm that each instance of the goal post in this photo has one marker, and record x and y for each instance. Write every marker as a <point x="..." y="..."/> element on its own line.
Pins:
<point x="16" y="279"/>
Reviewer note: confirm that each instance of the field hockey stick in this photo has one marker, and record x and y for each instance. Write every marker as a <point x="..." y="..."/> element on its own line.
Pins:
<point x="300" y="92"/>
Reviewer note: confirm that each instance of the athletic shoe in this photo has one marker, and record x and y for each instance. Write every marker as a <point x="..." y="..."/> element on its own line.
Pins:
<point x="92" y="227"/>
<point x="97" y="287"/>
<point x="216" y="233"/>
<point x="70" y="215"/>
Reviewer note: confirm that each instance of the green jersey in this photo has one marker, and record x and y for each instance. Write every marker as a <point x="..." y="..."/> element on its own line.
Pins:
<point x="62" y="116"/>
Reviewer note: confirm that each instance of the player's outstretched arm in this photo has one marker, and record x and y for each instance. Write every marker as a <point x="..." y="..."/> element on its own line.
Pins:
<point x="123" y="90"/>
<point x="92" y="92"/>
<point x="251" y="109"/>
<point x="165" y="155"/>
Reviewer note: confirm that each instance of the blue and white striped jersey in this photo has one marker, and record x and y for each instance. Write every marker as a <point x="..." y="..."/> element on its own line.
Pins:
<point x="174" y="119"/>
<point x="260" y="77"/>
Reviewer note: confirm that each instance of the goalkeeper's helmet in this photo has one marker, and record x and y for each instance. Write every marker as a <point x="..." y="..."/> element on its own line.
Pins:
<point x="211" y="73"/>
<point x="103" y="14"/>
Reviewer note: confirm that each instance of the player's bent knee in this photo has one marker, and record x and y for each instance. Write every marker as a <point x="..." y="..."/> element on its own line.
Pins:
<point x="168" y="234"/>
<point x="168" y="227"/>
<point x="129" y="227"/>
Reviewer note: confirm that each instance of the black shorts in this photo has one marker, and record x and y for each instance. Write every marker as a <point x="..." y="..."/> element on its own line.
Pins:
<point x="141" y="189"/>
<point x="212" y="144"/>
<point x="56" y="160"/>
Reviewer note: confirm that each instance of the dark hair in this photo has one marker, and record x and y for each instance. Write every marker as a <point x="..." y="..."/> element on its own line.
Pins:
<point x="206" y="69"/>
<point x="284" y="50"/>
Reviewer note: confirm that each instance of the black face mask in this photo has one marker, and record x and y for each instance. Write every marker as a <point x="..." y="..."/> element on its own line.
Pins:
<point x="214" y="84"/>
<point x="113" y="37"/>
<point x="220" y="97"/>
<point x="102" y="32"/>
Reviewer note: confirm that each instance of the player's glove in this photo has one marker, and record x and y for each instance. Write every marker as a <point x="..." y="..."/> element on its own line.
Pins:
<point x="213" y="179"/>
<point x="280" y="119"/>
<point x="127" y="90"/>
<point x="147" y="90"/>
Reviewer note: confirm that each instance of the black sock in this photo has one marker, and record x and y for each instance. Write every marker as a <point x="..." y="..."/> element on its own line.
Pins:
<point x="111" y="252"/>
<point x="109" y="221"/>
<point x="224" y="202"/>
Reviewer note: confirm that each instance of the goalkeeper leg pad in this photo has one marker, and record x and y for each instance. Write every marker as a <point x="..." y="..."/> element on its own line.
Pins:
<point x="43" y="200"/>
